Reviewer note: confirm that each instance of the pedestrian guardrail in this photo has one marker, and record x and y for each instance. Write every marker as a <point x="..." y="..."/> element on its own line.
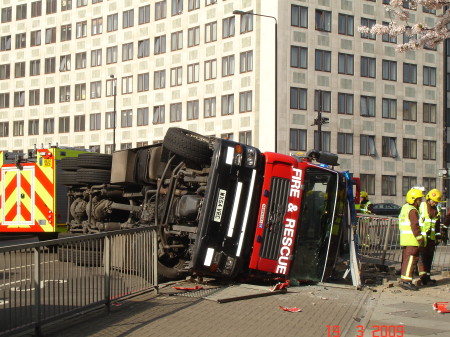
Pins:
<point x="379" y="239"/>
<point x="44" y="281"/>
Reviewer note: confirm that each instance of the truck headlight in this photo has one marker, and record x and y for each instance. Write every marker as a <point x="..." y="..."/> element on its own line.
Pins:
<point x="250" y="159"/>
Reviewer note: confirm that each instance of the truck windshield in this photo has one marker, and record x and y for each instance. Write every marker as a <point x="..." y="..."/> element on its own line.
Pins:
<point x="315" y="223"/>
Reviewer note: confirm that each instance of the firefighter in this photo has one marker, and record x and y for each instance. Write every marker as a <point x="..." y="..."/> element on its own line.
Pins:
<point x="411" y="238"/>
<point x="365" y="205"/>
<point x="429" y="221"/>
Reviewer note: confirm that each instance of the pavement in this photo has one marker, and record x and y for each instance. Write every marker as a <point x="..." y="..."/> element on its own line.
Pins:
<point x="252" y="310"/>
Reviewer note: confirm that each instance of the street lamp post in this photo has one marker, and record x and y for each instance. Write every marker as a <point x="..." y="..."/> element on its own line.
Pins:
<point x="319" y="121"/>
<point x="114" y="84"/>
<point x="239" y="12"/>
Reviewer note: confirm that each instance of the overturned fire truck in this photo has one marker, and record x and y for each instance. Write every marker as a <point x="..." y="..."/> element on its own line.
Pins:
<point x="221" y="208"/>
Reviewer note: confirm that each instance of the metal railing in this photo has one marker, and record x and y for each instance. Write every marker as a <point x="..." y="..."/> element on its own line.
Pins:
<point x="379" y="239"/>
<point x="44" y="281"/>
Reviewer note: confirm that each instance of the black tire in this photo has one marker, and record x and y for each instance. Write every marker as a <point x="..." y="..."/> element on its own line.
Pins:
<point x="189" y="145"/>
<point x="93" y="176"/>
<point x="68" y="178"/>
<point x="95" y="160"/>
<point x="69" y="164"/>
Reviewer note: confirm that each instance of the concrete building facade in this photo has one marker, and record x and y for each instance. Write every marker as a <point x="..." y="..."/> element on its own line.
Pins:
<point x="207" y="66"/>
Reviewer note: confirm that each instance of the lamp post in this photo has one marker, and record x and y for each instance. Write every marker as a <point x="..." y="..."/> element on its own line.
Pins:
<point x="114" y="84"/>
<point x="319" y="121"/>
<point x="239" y="12"/>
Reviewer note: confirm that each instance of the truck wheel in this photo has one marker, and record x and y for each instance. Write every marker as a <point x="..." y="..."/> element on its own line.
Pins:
<point x="68" y="178"/>
<point x="93" y="176"/>
<point x="188" y="145"/>
<point x="69" y="164"/>
<point x="95" y="160"/>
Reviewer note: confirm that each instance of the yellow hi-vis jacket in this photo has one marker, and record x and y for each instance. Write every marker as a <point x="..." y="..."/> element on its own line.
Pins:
<point x="407" y="237"/>
<point x="427" y="224"/>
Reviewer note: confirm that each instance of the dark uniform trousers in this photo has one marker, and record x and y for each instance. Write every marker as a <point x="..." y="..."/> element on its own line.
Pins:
<point x="426" y="257"/>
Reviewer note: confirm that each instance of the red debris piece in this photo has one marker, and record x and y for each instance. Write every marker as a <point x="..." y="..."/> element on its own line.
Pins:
<point x="280" y="286"/>
<point x="188" y="288"/>
<point x="442" y="307"/>
<point x="295" y="309"/>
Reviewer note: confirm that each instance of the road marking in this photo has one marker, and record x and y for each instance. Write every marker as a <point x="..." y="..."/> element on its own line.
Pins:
<point x="3" y="302"/>
<point x="26" y="266"/>
<point x="10" y="283"/>
<point x="42" y="284"/>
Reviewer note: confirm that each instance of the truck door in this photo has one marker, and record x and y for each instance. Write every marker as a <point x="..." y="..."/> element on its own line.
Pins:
<point x="17" y="196"/>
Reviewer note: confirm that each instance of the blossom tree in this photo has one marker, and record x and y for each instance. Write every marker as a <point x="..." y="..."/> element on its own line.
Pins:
<point x="420" y="35"/>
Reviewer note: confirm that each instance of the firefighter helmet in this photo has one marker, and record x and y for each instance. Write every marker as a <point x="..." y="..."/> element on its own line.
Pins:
<point x="434" y="195"/>
<point x="413" y="194"/>
<point x="363" y="194"/>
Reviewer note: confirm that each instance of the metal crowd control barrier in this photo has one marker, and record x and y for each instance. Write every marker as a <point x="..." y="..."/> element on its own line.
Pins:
<point x="45" y="281"/>
<point x="379" y="239"/>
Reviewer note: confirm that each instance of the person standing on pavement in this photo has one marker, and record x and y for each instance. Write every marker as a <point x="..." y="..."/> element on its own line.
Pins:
<point x="410" y="236"/>
<point x="365" y="205"/>
<point x="429" y="221"/>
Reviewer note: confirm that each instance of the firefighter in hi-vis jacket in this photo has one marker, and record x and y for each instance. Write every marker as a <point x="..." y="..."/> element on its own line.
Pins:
<point x="411" y="238"/>
<point x="429" y="221"/>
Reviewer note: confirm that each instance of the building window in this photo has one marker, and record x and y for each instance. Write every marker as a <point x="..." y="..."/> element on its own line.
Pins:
<point x="408" y="183"/>
<point x="96" y="89"/>
<point x="368" y="67"/>
<point x="245" y="101"/>
<point x="228" y="136"/>
<point x="160" y="45"/>
<point x="387" y="37"/>
<point x="141" y="144"/>
<point x="80" y="91"/>
<point x="176" y="76"/>
<point x="4" y="100"/>
<point x="111" y="87"/>
<point x="326" y="140"/>
<point x="35" y="38"/>
<point x="109" y="148"/>
<point x="110" y="117"/>
<point x="112" y="22"/>
<point x="18" y="128"/>
<point x="97" y="26"/>
<point x="95" y="121"/>
<point x="176" y="40"/>
<point x="297" y="140"/>
<point x="409" y="73"/>
<point x="142" y="116"/>
<point x="210" y="2"/>
<point x="66" y="5"/>
<point x="246" y="23"/>
<point x="429" y="76"/>
<point x="126" y="119"/>
<point x="64" y="93"/>
<point x="209" y="107"/>
<point x="323" y="20"/>
<point x="298" y="98"/>
<point x="19" y="98"/>
<point x="19" y="69"/>
<point x="211" y="32"/>
<point x="193" y="5"/>
<point x="127" y="85"/>
<point x="158" y="114"/>
<point x="175" y="112"/>
<point x="346" y="62"/>
<point x="227" y="105"/>
<point x="368" y="23"/>
<point x="64" y="124"/>
<point x="5" y="71"/>
<point x="299" y="57"/>
<point x="82" y="3"/>
<point x="143" y="48"/>
<point x="21" y="41"/>
<point x="33" y="127"/>
<point x="345" y="143"/>
<point x="389" y="107"/>
<point x="5" y="43"/>
<point x="193" y="73"/>
<point x="81" y="29"/>
<point x="245" y="137"/>
<point x="346" y="24"/>
<point x="144" y="14"/>
<point x="21" y="12"/>
<point x="323" y="60"/>
<point x="299" y="16"/>
<point x="193" y="36"/>
<point x="409" y="148"/>
<point x="368" y="106"/>
<point x="177" y="7"/>
<point x="143" y="82"/>
<point x="345" y="103"/>
<point x="429" y="113"/>
<point x="429" y="150"/>
<point x="35" y="67"/>
<point x="6" y="14"/>
<point x="429" y="183"/>
<point x="79" y="123"/>
<point x="160" y="10"/>
<point x="388" y="185"/>
<point x="389" y="147"/>
<point x="246" y="61"/>
<point x="49" y="126"/>
<point x="228" y="65"/>
<point x="127" y="51"/>
<point x="80" y="60"/>
<point x="409" y="111"/>
<point x="322" y="101"/>
<point x="389" y="70"/>
<point x="50" y="65"/>
<point x="367" y="145"/>
<point x="368" y="183"/>
<point x="192" y="110"/>
<point x="64" y="63"/>
<point x="111" y="55"/>
<point x="50" y="35"/>
<point x="228" y="27"/>
<point x="124" y="146"/>
<point x="128" y="19"/>
<point x="96" y="58"/>
<point x="34" y="97"/>
<point x="210" y="69"/>
<point x="66" y="32"/>
<point x="49" y="95"/>
<point x="159" y="81"/>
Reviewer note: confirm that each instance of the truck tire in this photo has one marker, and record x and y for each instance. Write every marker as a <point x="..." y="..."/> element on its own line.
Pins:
<point x="69" y="164"/>
<point x="68" y="178"/>
<point x="189" y="145"/>
<point x="93" y="176"/>
<point x="95" y="160"/>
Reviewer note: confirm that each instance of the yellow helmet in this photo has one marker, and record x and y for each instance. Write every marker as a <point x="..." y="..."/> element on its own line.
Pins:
<point x="363" y="194"/>
<point x="434" y="195"/>
<point x="413" y="194"/>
